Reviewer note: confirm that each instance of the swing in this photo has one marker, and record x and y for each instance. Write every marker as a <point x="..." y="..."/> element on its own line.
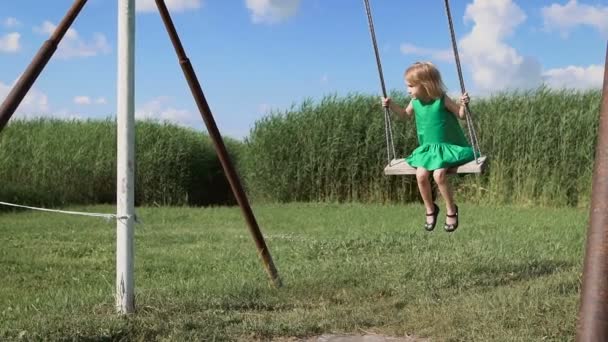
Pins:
<point x="398" y="166"/>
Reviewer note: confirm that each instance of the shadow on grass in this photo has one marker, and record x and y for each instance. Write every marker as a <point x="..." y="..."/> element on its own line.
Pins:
<point x="502" y="274"/>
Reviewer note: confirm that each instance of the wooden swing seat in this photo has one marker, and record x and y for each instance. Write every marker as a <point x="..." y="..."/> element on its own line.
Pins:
<point x="401" y="167"/>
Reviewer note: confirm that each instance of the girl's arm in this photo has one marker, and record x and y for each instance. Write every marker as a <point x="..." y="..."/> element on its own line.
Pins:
<point x="458" y="110"/>
<point x="395" y="108"/>
<point x="409" y="110"/>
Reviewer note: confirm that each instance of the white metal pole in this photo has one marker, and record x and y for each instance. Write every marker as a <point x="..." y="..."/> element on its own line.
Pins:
<point x="125" y="202"/>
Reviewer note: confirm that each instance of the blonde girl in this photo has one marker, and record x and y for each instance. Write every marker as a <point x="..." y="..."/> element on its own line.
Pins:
<point x="442" y="143"/>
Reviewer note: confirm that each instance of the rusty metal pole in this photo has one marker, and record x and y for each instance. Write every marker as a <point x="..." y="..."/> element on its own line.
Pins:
<point x="214" y="133"/>
<point x="29" y="76"/>
<point x="593" y="313"/>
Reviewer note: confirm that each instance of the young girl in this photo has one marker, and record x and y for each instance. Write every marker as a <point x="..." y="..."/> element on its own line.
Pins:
<point x="442" y="142"/>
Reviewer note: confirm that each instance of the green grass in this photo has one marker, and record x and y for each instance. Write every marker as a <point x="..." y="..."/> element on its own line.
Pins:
<point x="507" y="274"/>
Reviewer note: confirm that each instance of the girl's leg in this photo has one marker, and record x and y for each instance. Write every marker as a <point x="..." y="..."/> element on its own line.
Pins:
<point x="424" y="185"/>
<point x="441" y="178"/>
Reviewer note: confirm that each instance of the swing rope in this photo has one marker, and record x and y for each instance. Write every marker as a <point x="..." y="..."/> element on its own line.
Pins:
<point x="390" y="145"/>
<point x="468" y="115"/>
<point x="388" y="128"/>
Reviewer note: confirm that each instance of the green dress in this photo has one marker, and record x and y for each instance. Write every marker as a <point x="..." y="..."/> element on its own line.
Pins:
<point x="442" y="141"/>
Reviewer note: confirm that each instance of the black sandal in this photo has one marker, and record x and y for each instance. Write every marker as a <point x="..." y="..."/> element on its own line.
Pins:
<point x="430" y="226"/>
<point x="452" y="227"/>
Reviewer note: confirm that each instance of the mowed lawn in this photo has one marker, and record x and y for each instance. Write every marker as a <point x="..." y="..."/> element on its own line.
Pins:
<point x="507" y="274"/>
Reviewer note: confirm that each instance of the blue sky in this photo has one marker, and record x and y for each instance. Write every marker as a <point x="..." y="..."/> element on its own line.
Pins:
<point x="253" y="56"/>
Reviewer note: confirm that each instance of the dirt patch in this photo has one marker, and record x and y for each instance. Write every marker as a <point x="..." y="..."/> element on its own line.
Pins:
<point x="355" y="338"/>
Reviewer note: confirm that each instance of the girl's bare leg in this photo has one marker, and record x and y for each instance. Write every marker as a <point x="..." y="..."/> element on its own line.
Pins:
<point x="441" y="178"/>
<point x="423" y="176"/>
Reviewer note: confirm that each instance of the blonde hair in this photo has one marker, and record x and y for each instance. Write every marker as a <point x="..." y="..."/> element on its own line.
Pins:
<point x="425" y="75"/>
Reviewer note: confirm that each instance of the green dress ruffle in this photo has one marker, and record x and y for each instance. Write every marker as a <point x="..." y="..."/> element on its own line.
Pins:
<point x="442" y="141"/>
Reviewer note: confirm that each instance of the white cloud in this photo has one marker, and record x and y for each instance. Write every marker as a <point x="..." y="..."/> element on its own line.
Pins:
<point x="66" y="114"/>
<point x="160" y="109"/>
<point x="493" y="63"/>
<point x="271" y="11"/>
<point x="566" y="17"/>
<point x="87" y="100"/>
<point x="434" y="54"/>
<point x="11" y="22"/>
<point x="324" y="79"/>
<point x="575" y="77"/>
<point x="72" y="45"/>
<point x="34" y="104"/>
<point x="172" y="5"/>
<point x="48" y="28"/>
<point x="10" y="42"/>
<point x="82" y="100"/>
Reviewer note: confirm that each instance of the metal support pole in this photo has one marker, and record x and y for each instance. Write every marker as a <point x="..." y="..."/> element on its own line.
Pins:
<point x="44" y="54"/>
<point x="214" y="133"/>
<point x="593" y="314"/>
<point x="125" y="158"/>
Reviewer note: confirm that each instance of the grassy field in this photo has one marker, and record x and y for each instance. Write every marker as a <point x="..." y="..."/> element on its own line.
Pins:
<point x="507" y="274"/>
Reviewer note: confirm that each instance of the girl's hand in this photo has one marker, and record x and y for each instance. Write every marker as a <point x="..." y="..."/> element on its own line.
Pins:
<point x="386" y="102"/>
<point x="464" y="99"/>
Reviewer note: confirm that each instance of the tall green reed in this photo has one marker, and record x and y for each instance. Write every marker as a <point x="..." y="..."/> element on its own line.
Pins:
<point x="331" y="151"/>
<point x="540" y="145"/>
<point x="57" y="162"/>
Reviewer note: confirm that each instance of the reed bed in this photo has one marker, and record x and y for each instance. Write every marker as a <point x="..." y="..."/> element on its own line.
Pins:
<point x="540" y="145"/>
<point x="56" y="162"/>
